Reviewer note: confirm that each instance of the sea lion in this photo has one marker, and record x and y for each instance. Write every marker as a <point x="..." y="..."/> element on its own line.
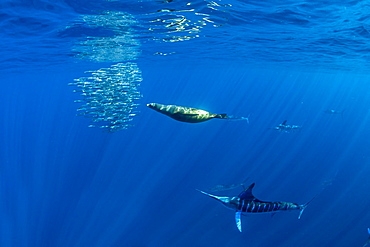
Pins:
<point x="185" y="114"/>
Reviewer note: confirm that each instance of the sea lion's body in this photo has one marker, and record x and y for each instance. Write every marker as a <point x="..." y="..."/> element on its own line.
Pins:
<point x="185" y="114"/>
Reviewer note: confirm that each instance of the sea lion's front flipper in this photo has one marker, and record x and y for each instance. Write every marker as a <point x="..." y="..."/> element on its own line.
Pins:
<point x="238" y="220"/>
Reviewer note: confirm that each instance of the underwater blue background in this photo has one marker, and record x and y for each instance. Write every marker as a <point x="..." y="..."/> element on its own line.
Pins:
<point x="64" y="184"/>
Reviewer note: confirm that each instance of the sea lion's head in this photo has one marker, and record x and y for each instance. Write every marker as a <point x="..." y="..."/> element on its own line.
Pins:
<point x="164" y="109"/>
<point x="152" y="105"/>
<point x="156" y="106"/>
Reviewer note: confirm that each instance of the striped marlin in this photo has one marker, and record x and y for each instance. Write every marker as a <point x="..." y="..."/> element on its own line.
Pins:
<point x="245" y="202"/>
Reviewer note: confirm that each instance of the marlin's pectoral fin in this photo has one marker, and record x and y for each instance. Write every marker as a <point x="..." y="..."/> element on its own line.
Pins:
<point x="238" y="220"/>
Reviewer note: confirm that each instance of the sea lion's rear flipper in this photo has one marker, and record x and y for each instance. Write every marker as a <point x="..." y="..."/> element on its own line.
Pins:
<point x="231" y="117"/>
<point x="222" y="116"/>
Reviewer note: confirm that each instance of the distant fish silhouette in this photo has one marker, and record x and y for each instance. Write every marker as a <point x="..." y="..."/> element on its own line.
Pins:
<point x="328" y="182"/>
<point x="334" y="112"/>
<point x="224" y="187"/>
<point x="283" y="127"/>
<point x="188" y="114"/>
<point x="245" y="202"/>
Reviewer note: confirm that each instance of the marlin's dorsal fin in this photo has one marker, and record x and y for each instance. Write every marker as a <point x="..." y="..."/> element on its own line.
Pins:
<point x="284" y="123"/>
<point x="247" y="193"/>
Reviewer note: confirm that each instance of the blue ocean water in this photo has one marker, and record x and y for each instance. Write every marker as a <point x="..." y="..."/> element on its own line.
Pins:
<point x="130" y="179"/>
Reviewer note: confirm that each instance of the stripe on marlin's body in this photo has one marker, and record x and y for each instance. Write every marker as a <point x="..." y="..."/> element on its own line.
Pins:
<point x="245" y="202"/>
<point x="264" y="207"/>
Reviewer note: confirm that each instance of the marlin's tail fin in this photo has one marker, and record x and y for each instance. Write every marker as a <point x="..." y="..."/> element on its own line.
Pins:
<point x="304" y="206"/>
